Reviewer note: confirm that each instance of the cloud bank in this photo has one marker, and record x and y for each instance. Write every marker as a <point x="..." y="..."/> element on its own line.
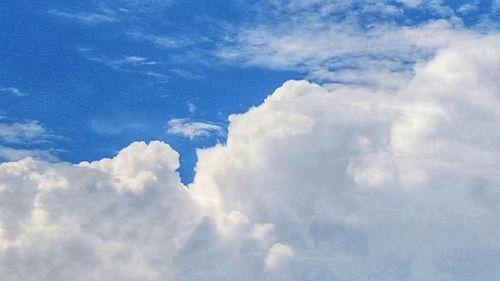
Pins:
<point x="319" y="182"/>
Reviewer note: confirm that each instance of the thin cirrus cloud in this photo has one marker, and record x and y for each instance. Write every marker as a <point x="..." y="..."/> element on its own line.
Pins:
<point x="20" y="132"/>
<point x="85" y="17"/>
<point x="12" y="91"/>
<point x="129" y="63"/>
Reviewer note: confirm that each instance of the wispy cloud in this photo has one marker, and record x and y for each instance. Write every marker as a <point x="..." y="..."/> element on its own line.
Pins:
<point x="123" y="62"/>
<point x="136" y="60"/>
<point x="86" y="17"/>
<point x="182" y="73"/>
<point x="15" y="154"/>
<point x="169" y="42"/>
<point x="12" y="91"/>
<point x="132" y="63"/>
<point x="348" y="43"/>
<point x="192" y="130"/>
<point x="191" y="107"/>
<point x="107" y="127"/>
<point x="22" y="132"/>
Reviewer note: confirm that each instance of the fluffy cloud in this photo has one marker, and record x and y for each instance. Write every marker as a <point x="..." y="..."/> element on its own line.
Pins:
<point x="316" y="183"/>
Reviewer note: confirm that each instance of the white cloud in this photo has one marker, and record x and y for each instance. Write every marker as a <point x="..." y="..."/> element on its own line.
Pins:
<point x="162" y="41"/>
<point x="192" y="130"/>
<point x="191" y="107"/>
<point x="22" y="132"/>
<point x="332" y="182"/>
<point x="278" y="255"/>
<point x="368" y="185"/>
<point x="16" y="154"/>
<point x="62" y="221"/>
<point x="130" y="64"/>
<point x="355" y="42"/>
<point x="138" y="60"/>
<point x="120" y="64"/>
<point x="86" y="17"/>
<point x="12" y="91"/>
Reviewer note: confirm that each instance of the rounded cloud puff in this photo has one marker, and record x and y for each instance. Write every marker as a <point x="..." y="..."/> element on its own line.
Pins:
<point x="116" y="219"/>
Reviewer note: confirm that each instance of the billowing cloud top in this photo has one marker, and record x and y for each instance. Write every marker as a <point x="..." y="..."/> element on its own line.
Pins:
<point x="316" y="183"/>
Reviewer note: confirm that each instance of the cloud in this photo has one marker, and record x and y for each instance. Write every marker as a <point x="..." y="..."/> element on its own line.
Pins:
<point x="86" y="17"/>
<point x="106" y="127"/>
<point x="278" y="255"/>
<point x="192" y="108"/>
<point x="122" y="63"/>
<point x="12" y="91"/>
<point x="19" y="140"/>
<point x="137" y="60"/>
<point x="22" y="132"/>
<point x="162" y="41"/>
<point x="130" y="64"/>
<point x="192" y="130"/>
<point x="100" y="220"/>
<point x="319" y="182"/>
<point x="357" y="42"/>
<point x="370" y="185"/>
<point x="16" y="154"/>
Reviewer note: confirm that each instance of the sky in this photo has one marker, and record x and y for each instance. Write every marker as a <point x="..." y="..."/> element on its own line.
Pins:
<point x="249" y="140"/>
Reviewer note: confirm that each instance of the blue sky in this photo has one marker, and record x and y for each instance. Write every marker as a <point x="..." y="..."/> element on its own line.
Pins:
<point x="92" y="75"/>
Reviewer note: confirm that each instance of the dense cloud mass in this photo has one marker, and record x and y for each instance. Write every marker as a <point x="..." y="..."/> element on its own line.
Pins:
<point x="317" y="183"/>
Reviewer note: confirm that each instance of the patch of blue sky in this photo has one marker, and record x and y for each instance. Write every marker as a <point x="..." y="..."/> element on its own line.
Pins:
<point x="104" y="84"/>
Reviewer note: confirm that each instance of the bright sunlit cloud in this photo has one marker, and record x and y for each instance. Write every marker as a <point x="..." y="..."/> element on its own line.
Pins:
<point x="375" y="157"/>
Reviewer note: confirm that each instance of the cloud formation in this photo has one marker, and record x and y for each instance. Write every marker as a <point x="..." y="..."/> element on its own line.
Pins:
<point x="12" y="91"/>
<point x="317" y="183"/>
<point x="21" y="132"/>
<point x="192" y="130"/>
<point x="353" y="42"/>
<point x="87" y="17"/>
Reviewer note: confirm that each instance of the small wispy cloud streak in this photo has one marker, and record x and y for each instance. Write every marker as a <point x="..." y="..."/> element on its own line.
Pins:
<point x="168" y="42"/>
<point x="134" y="64"/>
<point x="192" y="130"/>
<point x="85" y="17"/>
<point x="21" y="132"/>
<point x="12" y="91"/>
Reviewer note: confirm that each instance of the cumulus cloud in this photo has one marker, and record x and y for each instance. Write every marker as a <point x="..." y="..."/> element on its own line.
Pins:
<point x="367" y="185"/>
<point x="192" y="130"/>
<point x="116" y="219"/>
<point x="319" y="182"/>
